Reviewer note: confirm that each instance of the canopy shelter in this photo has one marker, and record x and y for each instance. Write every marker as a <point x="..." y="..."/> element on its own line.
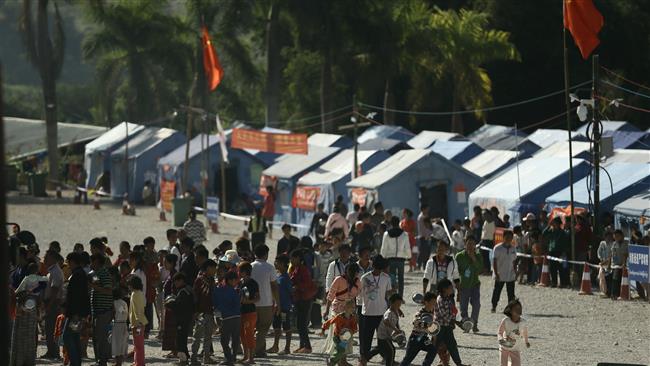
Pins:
<point x="329" y="139"/>
<point x="634" y="213"/>
<point x="491" y="162"/>
<point x="414" y="177"/>
<point x="286" y="173"/>
<point x="385" y="131"/>
<point x="607" y="126"/>
<point x="545" y="137"/>
<point x="140" y="165"/>
<point x="629" y="156"/>
<point x="26" y="137"/>
<point x="627" y="179"/>
<point x="329" y="180"/>
<point x="519" y="191"/>
<point x="456" y="150"/>
<point x="496" y="137"/>
<point x="629" y="139"/>
<point x="425" y="139"/>
<point x="97" y="157"/>
<point x="391" y="146"/>
<point x="560" y="149"/>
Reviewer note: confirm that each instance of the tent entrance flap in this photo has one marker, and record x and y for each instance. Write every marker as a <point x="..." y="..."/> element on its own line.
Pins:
<point x="232" y="183"/>
<point x="434" y="194"/>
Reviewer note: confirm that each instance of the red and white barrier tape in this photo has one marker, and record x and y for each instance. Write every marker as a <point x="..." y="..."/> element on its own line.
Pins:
<point x="555" y="259"/>
<point x="247" y="218"/>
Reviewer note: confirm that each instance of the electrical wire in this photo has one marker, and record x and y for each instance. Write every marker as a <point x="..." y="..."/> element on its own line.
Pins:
<point x="624" y="79"/>
<point x="625" y="89"/>
<point x="625" y="105"/>
<point x="488" y="109"/>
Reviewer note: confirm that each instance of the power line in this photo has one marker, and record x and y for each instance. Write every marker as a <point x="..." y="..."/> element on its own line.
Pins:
<point x="624" y="79"/>
<point x="625" y="89"/>
<point x="305" y="119"/>
<point x="626" y="105"/>
<point x="504" y="106"/>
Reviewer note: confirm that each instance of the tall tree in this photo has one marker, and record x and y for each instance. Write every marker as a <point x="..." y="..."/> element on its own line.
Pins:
<point x="45" y="51"/>
<point x="464" y="44"/>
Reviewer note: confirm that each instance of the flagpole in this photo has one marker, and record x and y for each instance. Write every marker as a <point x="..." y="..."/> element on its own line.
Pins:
<point x="567" y="101"/>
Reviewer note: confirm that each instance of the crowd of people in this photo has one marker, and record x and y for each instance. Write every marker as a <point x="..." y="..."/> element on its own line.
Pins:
<point x="349" y="280"/>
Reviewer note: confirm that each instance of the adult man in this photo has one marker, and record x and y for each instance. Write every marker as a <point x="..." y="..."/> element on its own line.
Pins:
<point x="194" y="228"/>
<point x="264" y="274"/>
<point x="288" y="242"/>
<point x="337" y="267"/>
<point x="152" y="273"/>
<point x="268" y="211"/>
<point x="77" y="308"/>
<point x="487" y="238"/>
<point x="336" y="224"/>
<point x="257" y="227"/>
<point x="188" y="263"/>
<point x="172" y="245"/>
<point x="353" y="216"/>
<point x="470" y="265"/>
<point x="440" y="266"/>
<point x="396" y="248"/>
<point x="375" y="289"/>
<point x="377" y="216"/>
<point x="503" y="266"/>
<point x="316" y="228"/>
<point x="424" y="235"/>
<point x="52" y="301"/>
<point x="620" y="253"/>
<point x="558" y="246"/>
<point x="388" y="215"/>
<point x="204" y="325"/>
<point x="362" y="236"/>
<point x="101" y="296"/>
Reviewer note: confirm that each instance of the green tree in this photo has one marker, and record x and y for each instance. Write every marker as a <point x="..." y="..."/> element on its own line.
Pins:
<point x="464" y="43"/>
<point x="46" y="52"/>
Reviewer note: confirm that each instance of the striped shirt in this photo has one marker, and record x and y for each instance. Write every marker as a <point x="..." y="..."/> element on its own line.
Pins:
<point x="195" y="231"/>
<point x="101" y="302"/>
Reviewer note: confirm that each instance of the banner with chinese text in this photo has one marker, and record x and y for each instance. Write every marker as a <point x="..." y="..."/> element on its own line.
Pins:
<point x="306" y="198"/>
<point x="279" y="143"/>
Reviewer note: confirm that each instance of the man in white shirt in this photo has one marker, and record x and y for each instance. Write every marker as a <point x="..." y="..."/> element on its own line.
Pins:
<point x="375" y="289"/>
<point x="265" y="275"/>
<point x="337" y="267"/>
<point x="172" y="247"/>
<point x="424" y="235"/>
<point x="503" y="265"/>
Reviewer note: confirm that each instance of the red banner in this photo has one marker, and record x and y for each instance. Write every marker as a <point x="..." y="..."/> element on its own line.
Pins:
<point x="359" y="196"/>
<point x="564" y="212"/>
<point x="167" y="192"/>
<point x="306" y="198"/>
<point x="279" y="143"/>
<point x="498" y="235"/>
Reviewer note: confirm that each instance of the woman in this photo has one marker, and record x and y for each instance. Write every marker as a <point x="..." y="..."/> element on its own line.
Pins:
<point x="304" y="291"/>
<point x="409" y="225"/>
<point x="343" y="290"/>
<point x="268" y="211"/>
<point x="336" y="224"/>
<point x="169" y="326"/>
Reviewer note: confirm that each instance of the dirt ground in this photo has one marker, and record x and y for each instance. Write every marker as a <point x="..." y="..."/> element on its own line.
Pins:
<point x="565" y="328"/>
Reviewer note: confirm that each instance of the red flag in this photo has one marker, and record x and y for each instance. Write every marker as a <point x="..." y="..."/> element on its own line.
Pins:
<point x="584" y="22"/>
<point x="213" y="70"/>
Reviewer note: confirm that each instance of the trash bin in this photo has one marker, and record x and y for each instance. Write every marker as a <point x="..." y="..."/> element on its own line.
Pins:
<point x="37" y="184"/>
<point x="11" y="180"/>
<point x="180" y="208"/>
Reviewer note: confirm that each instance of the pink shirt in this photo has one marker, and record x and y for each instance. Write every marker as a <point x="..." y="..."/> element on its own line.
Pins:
<point x="340" y="293"/>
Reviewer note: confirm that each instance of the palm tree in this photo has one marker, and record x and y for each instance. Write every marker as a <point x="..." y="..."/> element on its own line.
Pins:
<point x="45" y="52"/>
<point x="464" y="44"/>
<point x="140" y="53"/>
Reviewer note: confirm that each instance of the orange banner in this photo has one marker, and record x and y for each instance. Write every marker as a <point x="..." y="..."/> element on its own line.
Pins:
<point x="359" y="196"/>
<point x="279" y="143"/>
<point x="564" y="212"/>
<point x="306" y="198"/>
<point x="498" y="235"/>
<point x="167" y="192"/>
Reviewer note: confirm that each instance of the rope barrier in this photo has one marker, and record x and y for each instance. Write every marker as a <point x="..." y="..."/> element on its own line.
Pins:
<point x="555" y="259"/>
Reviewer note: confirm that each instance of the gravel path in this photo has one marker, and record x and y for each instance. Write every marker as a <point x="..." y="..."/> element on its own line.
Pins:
<point x="565" y="328"/>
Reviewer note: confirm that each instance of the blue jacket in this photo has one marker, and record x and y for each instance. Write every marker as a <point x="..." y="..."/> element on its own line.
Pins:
<point x="227" y="300"/>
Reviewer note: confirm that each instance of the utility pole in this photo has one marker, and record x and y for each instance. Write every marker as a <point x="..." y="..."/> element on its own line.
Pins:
<point x="4" y="253"/>
<point x="355" y="128"/>
<point x="596" y="139"/>
<point x="126" y="157"/>
<point x="569" y="128"/>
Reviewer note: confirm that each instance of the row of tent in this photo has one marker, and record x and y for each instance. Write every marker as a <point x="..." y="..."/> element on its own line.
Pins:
<point x="495" y="166"/>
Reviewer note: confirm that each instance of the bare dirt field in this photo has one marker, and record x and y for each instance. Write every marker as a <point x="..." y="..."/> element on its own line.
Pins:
<point x="565" y="328"/>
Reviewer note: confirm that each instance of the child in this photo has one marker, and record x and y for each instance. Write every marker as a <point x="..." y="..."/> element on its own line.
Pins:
<point x="512" y="330"/>
<point x="137" y="319"/>
<point x="420" y="339"/>
<point x="183" y="308"/>
<point x="445" y="316"/>
<point x="169" y="320"/>
<point x="282" y="321"/>
<point x="204" y="321"/>
<point x="160" y="297"/>
<point x="227" y="302"/>
<point x="250" y="294"/>
<point x="343" y="321"/>
<point x="322" y="259"/>
<point x="120" y="331"/>
<point x="387" y="329"/>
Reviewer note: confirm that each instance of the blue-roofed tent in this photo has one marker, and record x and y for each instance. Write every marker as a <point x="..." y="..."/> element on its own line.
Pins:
<point x="608" y="126"/>
<point x="628" y="139"/>
<point x="560" y="149"/>
<point x="412" y="177"/>
<point x="288" y="170"/>
<point x="518" y="191"/>
<point x="634" y="212"/>
<point x="491" y="162"/>
<point x="384" y="131"/>
<point x="97" y="154"/>
<point x="332" y="176"/>
<point x="496" y="137"/>
<point x="329" y="139"/>
<point x="457" y="151"/>
<point x="545" y="137"/>
<point x="627" y="180"/>
<point x="242" y="174"/>
<point x="391" y="146"/>
<point x="144" y="151"/>
<point x="425" y="139"/>
<point x="629" y="156"/>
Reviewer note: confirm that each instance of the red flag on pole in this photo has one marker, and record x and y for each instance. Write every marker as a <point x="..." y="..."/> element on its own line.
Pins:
<point x="213" y="70"/>
<point x="584" y="22"/>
